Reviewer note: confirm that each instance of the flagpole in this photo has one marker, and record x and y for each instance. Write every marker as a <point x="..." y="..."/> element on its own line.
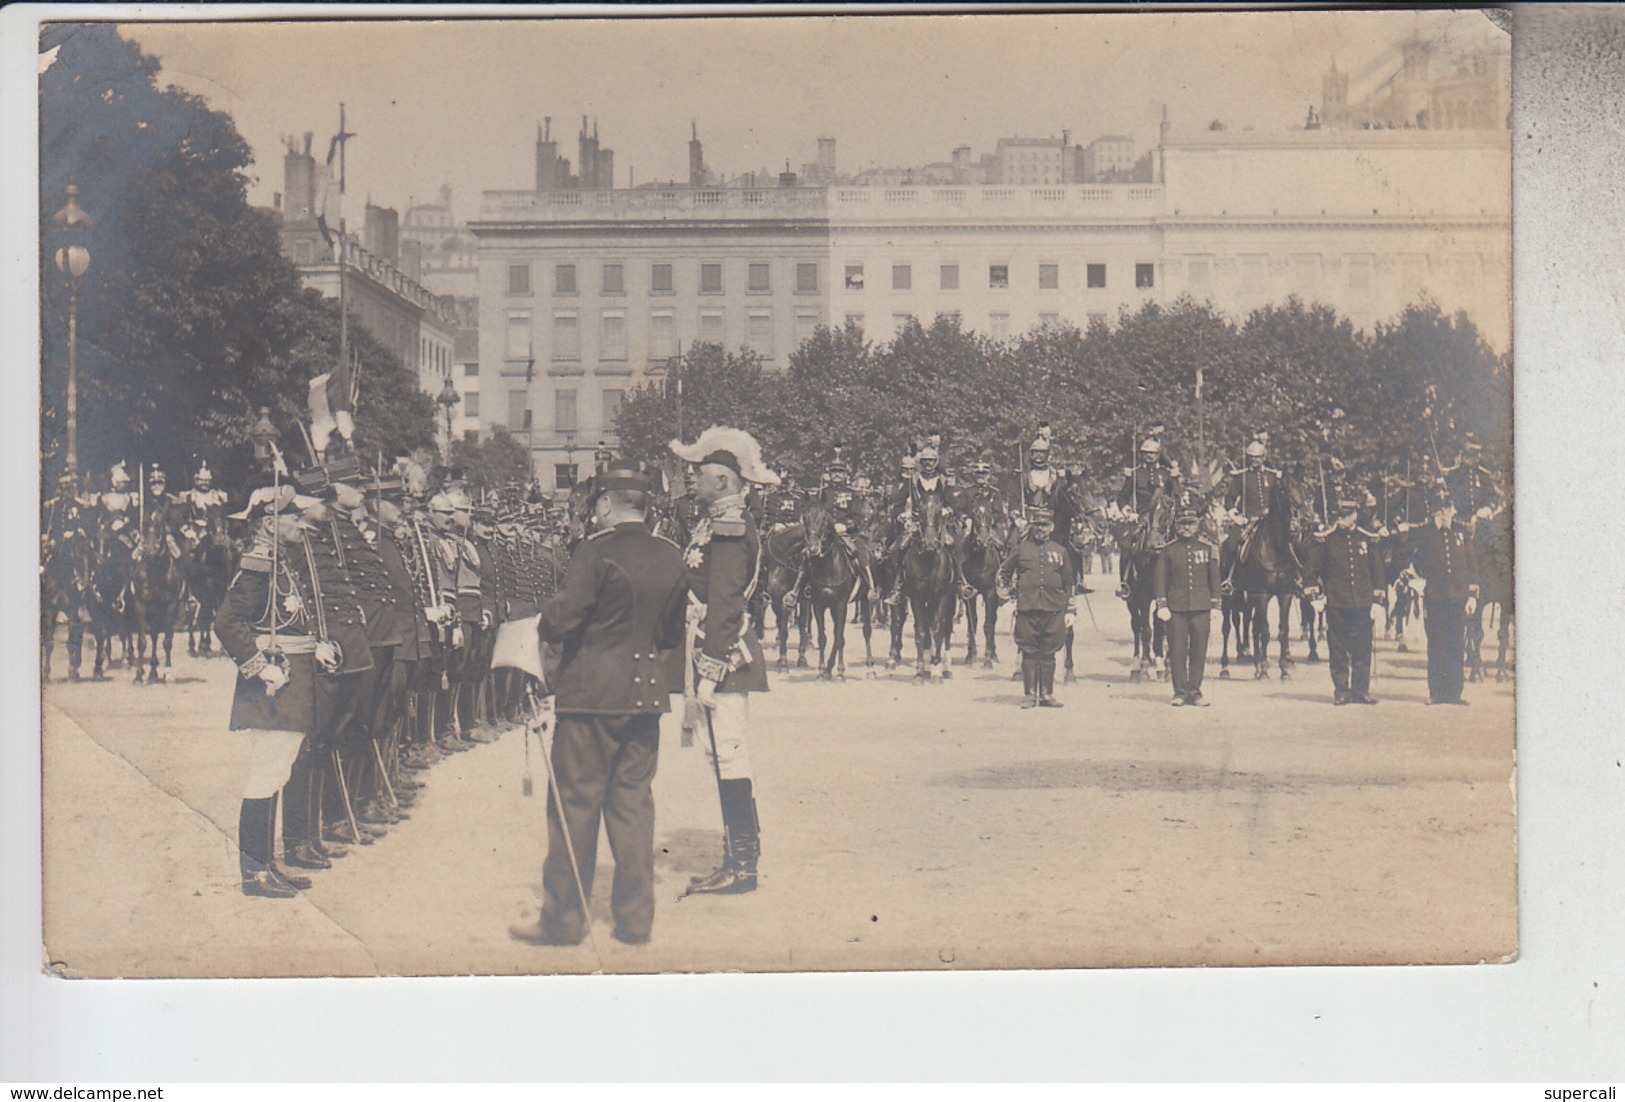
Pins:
<point x="344" y="248"/>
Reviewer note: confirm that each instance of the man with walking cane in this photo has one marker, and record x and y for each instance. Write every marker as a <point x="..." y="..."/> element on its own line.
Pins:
<point x="621" y="604"/>
<point x="723" y="557"/>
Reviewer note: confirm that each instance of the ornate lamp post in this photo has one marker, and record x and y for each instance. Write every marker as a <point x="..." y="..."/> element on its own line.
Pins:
<point x="448" y="398"/>
<point x="72" y="226"/>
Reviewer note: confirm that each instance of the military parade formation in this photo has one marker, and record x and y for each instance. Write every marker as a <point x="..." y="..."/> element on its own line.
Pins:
<point x="384" y="617"/>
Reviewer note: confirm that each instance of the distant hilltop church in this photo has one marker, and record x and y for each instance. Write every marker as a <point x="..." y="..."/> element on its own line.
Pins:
<point x="1473" y="96"/>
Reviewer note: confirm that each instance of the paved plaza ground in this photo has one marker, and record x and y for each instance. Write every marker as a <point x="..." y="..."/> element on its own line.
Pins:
<point x="904" y="826"/>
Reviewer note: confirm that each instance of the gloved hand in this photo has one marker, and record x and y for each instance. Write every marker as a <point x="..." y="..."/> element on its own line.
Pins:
<point x="840" y="529"/>
<point x="329" y="656"/>
<point x="1472" y="605"/>
<point x="1485" y="512"/>
<point x="1380" y="596"/>
<point x="1071" y="618"/>
<point x="1227" y="589"/>
<point x="486" y="619"/>
<point x="1164" y="613"/>
<point x="1318" y="603"/>
<point x="274" y="677"/>
<point x="707" y="694"/>
<point x="1404" y="527"/>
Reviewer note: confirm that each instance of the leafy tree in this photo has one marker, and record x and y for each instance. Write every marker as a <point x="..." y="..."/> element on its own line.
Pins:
<point x="190" y="319"/>
<point x="496" y="463"/>
<point x="719" y="388"/>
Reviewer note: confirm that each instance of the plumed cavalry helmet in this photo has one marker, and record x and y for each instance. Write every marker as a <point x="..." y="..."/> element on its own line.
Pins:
<point x="204" y="477"/>
<point x="118" y="477"/>
<point x="1150" y="447"/>
<point x="732" y="448"/>
<point x="909" y="462"/>
<point x="156" y="476"/>
<point x="1256" y="449"/>
<point x="1041" y="444"/>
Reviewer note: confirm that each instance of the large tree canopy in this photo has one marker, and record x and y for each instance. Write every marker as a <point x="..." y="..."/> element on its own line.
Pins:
<point x="1327" y="395"/>
<point x="190" y="318"/>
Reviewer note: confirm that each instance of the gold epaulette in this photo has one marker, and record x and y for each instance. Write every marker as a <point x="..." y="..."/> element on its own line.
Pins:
<point x="728" y="526"/>
<point x="601" y="532"/>
<point x="259" y="564"/>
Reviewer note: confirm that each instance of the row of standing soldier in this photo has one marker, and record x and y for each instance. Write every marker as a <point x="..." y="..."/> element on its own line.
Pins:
<point x="362" y="621"/>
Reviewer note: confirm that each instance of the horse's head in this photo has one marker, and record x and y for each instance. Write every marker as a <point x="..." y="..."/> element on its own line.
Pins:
<point x="929" y="518"/>
<point x="817" y="526"/>
<point x="990" y="522"/>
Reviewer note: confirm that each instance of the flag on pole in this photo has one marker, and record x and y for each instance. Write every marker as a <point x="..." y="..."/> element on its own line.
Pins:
<point x="519" y="647"/>
<point x="332" y="407"/>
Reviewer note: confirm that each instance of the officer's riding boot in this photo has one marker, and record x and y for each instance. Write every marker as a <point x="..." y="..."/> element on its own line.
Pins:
<point x="1046" y="683"/>
<point x="254" y="852"/>
<point x="1029" y="681"/>
<point x="738" y="872"/>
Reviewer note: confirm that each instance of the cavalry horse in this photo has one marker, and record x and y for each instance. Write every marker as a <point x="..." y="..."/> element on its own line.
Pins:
<point x="782" y="550"/>
<point x="1137" y="546"/>
<point x="113" y="605"/>
<point x="1087" y="537"/>
<point x="1266" y="569"/>
<point x="832" y="580"/>
<point x="987" y="542"/>
<point x="929" y="589"/>
<point x="1492" y="538"/>
<point x="211" y="561"/>
<point x="156" y="587"/>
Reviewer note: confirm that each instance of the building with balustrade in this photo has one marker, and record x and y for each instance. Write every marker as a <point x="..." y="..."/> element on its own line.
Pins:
<point x="582" y="295"/>
<point x="405" y="316"/>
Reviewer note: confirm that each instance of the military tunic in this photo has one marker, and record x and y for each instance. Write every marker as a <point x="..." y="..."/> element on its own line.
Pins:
<point x="1249" y="491"/>
<point x="1348" y="568"/>
<point x="1444" y="557"/>
<point x="1042" y="579"/>
<point x="723" y="559"/>
<point x="1186" y="581"/>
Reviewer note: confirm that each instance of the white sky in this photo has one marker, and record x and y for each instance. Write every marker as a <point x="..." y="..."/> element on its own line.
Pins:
<point x="437" y="102"/>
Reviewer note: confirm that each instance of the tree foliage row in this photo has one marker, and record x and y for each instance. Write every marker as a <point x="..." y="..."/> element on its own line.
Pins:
<point x="1321" y="389"/>
<point x="190" y="318"/>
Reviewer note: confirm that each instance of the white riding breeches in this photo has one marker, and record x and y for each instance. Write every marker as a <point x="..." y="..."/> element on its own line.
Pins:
<point x="270" y="761"/>
<point x="727" y="749"/>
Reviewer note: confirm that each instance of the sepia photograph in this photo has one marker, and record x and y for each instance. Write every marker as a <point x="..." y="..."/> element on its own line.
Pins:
<point x="527" y="497"/>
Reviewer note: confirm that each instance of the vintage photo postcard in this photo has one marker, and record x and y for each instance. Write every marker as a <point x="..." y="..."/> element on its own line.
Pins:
<point x="545" y="495"/>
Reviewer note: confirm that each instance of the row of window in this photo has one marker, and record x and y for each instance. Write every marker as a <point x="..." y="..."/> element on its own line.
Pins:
<point x="759" y="278"/>
<point x="662" y="333"/>
<point x="662" y="278"/>
<point x="566" y="404"/>
<point x="998" y="277"/>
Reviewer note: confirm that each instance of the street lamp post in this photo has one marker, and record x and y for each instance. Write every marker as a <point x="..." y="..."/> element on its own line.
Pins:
<point x="73" y="225"/>
<point x="447" y="399"/>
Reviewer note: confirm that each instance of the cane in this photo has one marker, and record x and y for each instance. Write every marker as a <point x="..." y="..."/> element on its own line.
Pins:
<point x="564" y="828"/>
<point x="389" y="788"/>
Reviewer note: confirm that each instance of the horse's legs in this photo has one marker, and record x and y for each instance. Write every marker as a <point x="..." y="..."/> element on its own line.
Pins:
<point x="1503" y="636"/>
<point x="922" y="638"/>
<point x="1284" y="601"/>
<point x="942" y="650"/>
<point x="826" y="653"/>
<point x="838" y="627"/>
<point x="1475" y="644"/>
<point x="1071" y="674"/>
<point x="804" y="612"/>
<point x="1258" y="611"/>
<point x="972" y="619"/>
<point x="990" y="622"/>
<point x="169" y="645"/>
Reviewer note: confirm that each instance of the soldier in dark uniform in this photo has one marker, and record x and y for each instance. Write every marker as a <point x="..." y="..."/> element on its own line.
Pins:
<point x="1477" y="492"/>
<point x="289" y="632"/>
<point x="65" y="535"/>
<point x="1185" y="585"/>
<point x="1248" y="491"/>
<point x="1442" y="553"/>
<point x="622" y="604"/>
<point x="316" y="792"/>
<point x="391" y="543"/>
<point x="723" y="558"/>
<point x="1135" y="499"/>
<point x="930" y="483"/>
<point x="1344" y="574"/>
<point x="1036" y="570"/>
<point x="390" y="619"/>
